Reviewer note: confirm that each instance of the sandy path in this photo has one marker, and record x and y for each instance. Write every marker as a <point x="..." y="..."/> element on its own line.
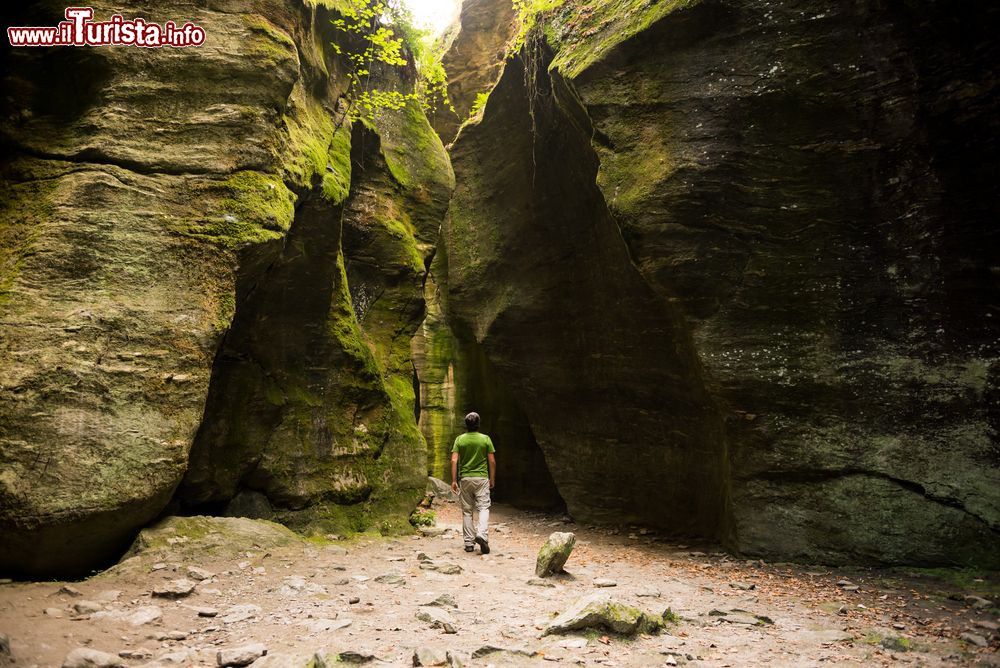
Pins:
<point x="775" y="615"/>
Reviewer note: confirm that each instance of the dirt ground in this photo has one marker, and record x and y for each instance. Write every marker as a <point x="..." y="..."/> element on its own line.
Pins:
<point x="361" y="599"/>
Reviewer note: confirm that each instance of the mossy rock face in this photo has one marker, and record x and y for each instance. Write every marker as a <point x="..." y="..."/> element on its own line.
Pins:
<point x="135" y="217"/>
<point x="809" y="209"/>
<point x="540" y="282"/>
<point x="770" y="210"/>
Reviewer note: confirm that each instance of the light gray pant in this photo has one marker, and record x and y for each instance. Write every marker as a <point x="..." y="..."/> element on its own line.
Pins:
<point x="475" y="493"/>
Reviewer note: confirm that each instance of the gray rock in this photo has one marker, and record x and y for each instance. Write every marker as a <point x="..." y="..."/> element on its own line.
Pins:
<point x="440" y="489"/>
<point x="85" y="657"/>
<point x="145" y="615"/>
<point x="108" y="596"/>
<point x="487" y="650"/>
<point x="974" y="639"/>
<point x="4" y="645"/>
<point x="321" y="625"/>
<point x="240" y="656"/>
<point x="648" y="593"/>
<point x="285" y="661"/>
<point x="199" y="574"/>
<point x="430" y="656"/>
<point x="443" y="601"/>
<point x="599" y="611"/>
<point x="135" y="654"/>
<point x="605" y="582"/>
<point x="86" y="607"/>
<point x="175" y="588"/>
<point x="240" y="613"/>
<point x="436" y="617"/>
<point x="449" y="569"/>
<point x="181" y="656"/>
<point x="978" y="602"/>
<point x="988" y="625"/>
<point x="351" y="657"/>
<point x="69" y="590"/>
<point x="205" y="611"/>
<point x="391" y="579"/>
<point x="54" y="613"/>
<point x="553" y="554"/>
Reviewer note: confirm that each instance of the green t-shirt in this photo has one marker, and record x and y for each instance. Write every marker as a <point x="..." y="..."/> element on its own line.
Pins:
<point x="472" y="448"/>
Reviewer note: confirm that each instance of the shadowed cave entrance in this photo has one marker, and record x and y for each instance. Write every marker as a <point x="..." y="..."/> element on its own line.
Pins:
<point x="523" y="477"/>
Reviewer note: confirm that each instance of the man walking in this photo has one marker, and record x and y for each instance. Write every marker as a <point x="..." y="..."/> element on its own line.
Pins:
<point x="475" y="452"/>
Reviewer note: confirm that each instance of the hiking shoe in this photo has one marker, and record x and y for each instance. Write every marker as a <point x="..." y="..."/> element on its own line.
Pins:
<point x="470" y="548"/>
<point x="484" y="545"/>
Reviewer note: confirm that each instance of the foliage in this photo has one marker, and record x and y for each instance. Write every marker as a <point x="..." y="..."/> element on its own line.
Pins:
<point x="423" y="518"/>
<point x="479" y="104"/>
<point x="527" y="15"/>
<point x="385" y="31"/>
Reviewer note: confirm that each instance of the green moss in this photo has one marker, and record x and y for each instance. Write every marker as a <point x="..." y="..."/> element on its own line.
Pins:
<point x="586" y="31"/>
<point x="270" y="44"/>
<point x="24" y="208"/>
<point x="252" y="207"/>
<point x="316" y="146"/>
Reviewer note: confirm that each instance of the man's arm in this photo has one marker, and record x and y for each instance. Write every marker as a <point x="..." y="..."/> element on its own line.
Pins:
<point x="454" y="472"/>
<point x="493" y="469"/>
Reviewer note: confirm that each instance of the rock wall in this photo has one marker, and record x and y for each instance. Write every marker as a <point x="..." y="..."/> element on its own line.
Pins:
<point x="474" y="59"/>
<point x="151" y="197"/>
<point x="792" y="228"/>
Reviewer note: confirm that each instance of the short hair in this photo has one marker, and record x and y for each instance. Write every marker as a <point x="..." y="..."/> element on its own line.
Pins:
<point x="472" y="421"/>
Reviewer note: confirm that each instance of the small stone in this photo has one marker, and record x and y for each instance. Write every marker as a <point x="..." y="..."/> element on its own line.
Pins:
<point x="898" y="626"/>
<point x="137" y="654"/>
<point x="205" y="612"/>
<point x="449" y="569"/>
<point x="974" y="639"/>
<point x="553" y="554"/>
<point x="648" y="593"/>
<point x="605" y="582"/>
<point x="175" y="589"/>
<point x="54" y="613"/>
<point x="85" y="657"/>
<point x="158" y="566"/>
<point x="355" y="658"/>
<point x="429" y="656"/>
<point x="240" y="613"/>
<point x="172" y="635"/>
<point x="988" y="625"/>
<point x="199" y="574"/>
<point x="86" y="607"/>
<point x="240" y="656"/>
<point x="4" y="645"/>
<point x="850" y="588"/>
<point x="449" y="628"/>
<point x="145" y="615"/>
<point x="845" y="583"/>
<point x="391" y="579"/>
<point x="422" y="556"/>
<point x="109" y="596"/>
<point x="978" y="602"/>
<point x="354" y="599"/>
<point x="321" y="625"/>
<point x="743" y="586"/>
<point x="183" y="656"/>
<point x="444" y="601"/>
<point x="69" y="590"/>
<point x="436" y="617"/>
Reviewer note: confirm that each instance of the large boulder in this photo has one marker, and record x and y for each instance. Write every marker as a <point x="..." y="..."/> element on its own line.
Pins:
<point x="599" y="612"/>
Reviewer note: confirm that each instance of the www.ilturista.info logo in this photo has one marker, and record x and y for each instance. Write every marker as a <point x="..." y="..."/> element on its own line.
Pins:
<point x="80" y="30"/>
